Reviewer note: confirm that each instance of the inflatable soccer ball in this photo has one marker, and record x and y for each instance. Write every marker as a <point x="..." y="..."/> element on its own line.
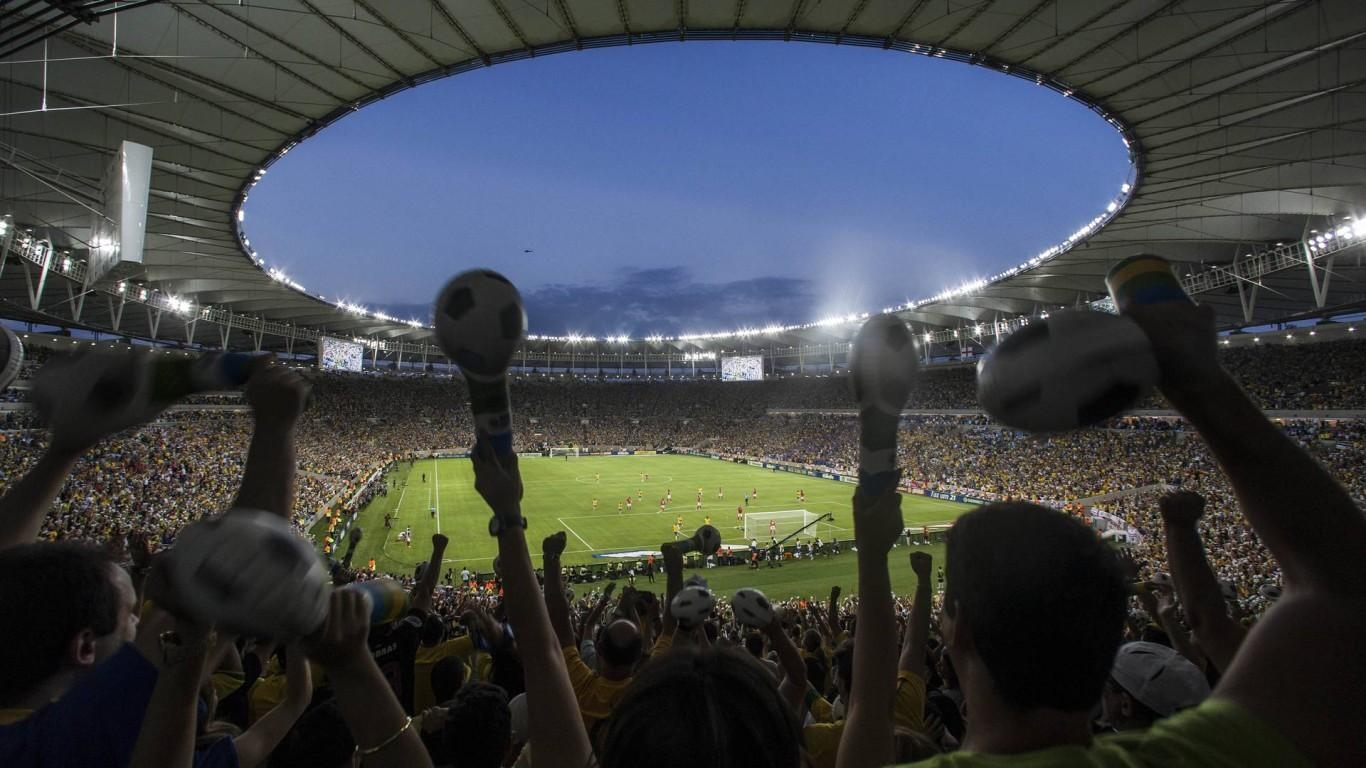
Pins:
<point x="248" y="572"/>
<point x="708" y="540"/>
<point x="752" y="608"/>
<point x="11" y="356"/>
<point x="479" y="320"/>
<point x="883" y="364"/>
<point x="1070" y="370"/>
<point x="692" y="605"/>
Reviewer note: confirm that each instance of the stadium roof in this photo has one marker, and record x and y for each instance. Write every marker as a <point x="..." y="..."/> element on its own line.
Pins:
<point x="1246" y="121"/>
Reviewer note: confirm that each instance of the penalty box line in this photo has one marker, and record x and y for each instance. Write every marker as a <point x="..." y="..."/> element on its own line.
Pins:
<point x="575" y="534"/>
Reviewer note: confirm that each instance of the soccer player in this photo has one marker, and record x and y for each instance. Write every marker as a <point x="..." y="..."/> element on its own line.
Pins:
<point x="739" y="517"/>
<point x="661" y="505"/>
<point x="706" y="520"/>
<point x="388" y="521"/>
<point x="754" y="494"/>
<point x="679" y="520"/>
<point x="720" y="494"/>
<point x="424" y="477"/>
<point x="678" y="531"/>
<point x="747" y="499"/>
<point x="699" y="501"/>
<point x="595" y="503"/>
<point x="640" y="495"/>
<point x="597" y="477"/>
<point x="629" y="503"/>
<point x="669" y="495"/>
<point x="432" y="511"/>
<point x="772" y="527"/>
<point x="620" y="506"/>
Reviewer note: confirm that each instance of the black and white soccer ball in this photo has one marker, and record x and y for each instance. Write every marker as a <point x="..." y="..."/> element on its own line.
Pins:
<point x="707" y="539"/>
<point x="883" y="364"/>
<point x="1070" y="370"/>
<point x="480" y="319"/>
<point x="692" y="605"/>
<point x="248" y="572"/>
<point x="11" y="356"/>
<point x="752" y="608"/>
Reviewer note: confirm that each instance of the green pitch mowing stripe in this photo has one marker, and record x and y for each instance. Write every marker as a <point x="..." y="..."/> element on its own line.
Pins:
<point x="560" y="493"/>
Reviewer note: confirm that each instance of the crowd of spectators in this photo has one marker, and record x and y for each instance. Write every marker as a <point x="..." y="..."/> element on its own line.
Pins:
<point x="1040" y="638"/>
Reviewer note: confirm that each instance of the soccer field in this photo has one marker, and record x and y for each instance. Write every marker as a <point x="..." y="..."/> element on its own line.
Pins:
<point x="437" y="496"/>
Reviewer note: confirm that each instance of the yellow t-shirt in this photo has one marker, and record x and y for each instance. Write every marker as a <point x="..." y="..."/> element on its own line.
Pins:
<point x="1218" y="733"/>
<point x="596" y="694"/>
<point x="823" y="739"/>
<point x="427" y="657"/>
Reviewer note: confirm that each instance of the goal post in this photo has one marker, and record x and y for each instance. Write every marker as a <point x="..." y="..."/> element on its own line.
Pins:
<point x="785" y="523"/>
<point x="566" y="451"/>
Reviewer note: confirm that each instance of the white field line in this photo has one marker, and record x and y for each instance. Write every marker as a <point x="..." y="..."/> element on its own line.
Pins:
<point x="437" y="486"/>
<point x="576" y="535"/>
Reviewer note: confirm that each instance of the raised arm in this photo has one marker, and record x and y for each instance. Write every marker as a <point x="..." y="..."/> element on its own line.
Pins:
<point x="590" y="624"/>
<point x="168" y="727"/>
<point x="74" y="429"/>
<point x="794" y="684"/>
<point x="556" y="601"/>
<point x="918" y="633"/>
<point x="834" y="610"/>
<point x="277" y="396"/>
<point x="1218" y="634"/>
<point x="867" y="739"/>
<point x="422" y="591"/>
<point x="256" y="744"/>
<point x="559" y="739"/>
<point x="1311" y="526"/>
<point x="673" y="580"/>
<point x="384" y="735"/>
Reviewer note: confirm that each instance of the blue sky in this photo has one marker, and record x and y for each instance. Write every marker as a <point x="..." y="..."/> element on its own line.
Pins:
<point x="688" y="187"/>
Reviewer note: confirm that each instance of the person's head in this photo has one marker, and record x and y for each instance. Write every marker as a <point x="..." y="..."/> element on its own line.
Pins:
<point x="1033" y="608"/>
<point x="69" y="607"/>
<point x="811" y="641"/>
<point x="478" y="727"/>
<point x="433" y="630"/>
<point x="619" y="649"/>
<point x="448" y="675"/>
<point x="708" y="707"/>
<point x="1149" y="682"/>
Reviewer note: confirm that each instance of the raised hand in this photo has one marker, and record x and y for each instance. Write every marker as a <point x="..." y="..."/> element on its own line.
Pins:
<point x="920" y="565"/>
<point x="877" y="521"/>
<point x="440" y="541"/>
<point x="1183" y="338"/>
<point x="1181" y="508"/>
<point x="498" y="482"/>
<point x="553" y="545"/>
<point x="340" y="644"/>
<point x="277" y="394"/>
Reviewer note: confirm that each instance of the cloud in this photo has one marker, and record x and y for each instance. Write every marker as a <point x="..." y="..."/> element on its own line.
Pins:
<point x="665" y="300"/>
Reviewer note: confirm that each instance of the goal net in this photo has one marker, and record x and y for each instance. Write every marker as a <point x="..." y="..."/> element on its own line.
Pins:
<point x="764" y="525"/>
<point x="573" y="451"/>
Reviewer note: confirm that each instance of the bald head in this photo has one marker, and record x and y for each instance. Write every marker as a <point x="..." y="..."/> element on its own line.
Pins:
<point x="619" y="649"/>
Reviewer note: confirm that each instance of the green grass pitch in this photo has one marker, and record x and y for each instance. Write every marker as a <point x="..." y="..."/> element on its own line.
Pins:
<point x="559" y="497"/>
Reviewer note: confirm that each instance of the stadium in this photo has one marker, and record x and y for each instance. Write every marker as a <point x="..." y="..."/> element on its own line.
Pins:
<point x="1243" y="125"/>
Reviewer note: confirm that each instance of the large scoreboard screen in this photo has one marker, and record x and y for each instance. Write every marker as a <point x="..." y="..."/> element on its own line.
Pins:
<point x="338" y="355"/>
<point x="750" y="368"/>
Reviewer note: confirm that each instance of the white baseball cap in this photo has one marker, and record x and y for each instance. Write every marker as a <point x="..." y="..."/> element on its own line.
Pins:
<point x="1159" y="678"/>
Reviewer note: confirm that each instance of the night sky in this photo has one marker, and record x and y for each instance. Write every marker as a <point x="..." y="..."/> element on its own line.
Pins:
<point x="688" y="187"/>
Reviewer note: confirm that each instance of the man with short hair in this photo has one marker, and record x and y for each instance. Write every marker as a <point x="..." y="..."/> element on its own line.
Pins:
<point x="76" y="608"/>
